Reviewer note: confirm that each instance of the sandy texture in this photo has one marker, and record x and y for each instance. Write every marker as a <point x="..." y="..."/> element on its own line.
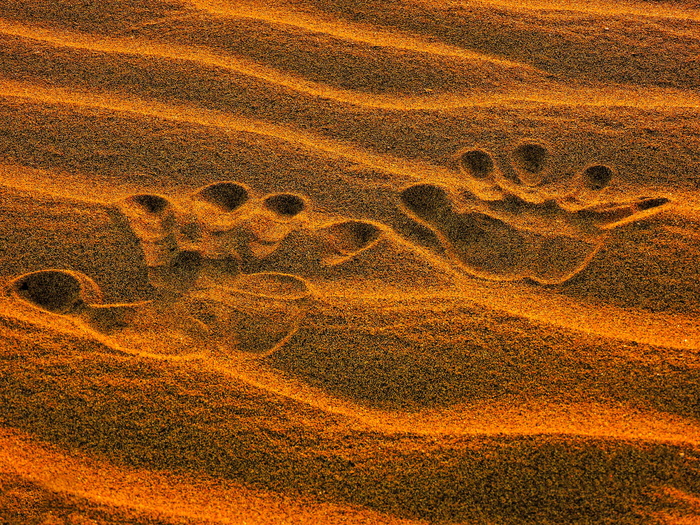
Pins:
<point x="340" y="261"/>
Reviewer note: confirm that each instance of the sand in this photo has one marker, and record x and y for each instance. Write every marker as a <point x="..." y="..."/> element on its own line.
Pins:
<point x="343" y="262"/>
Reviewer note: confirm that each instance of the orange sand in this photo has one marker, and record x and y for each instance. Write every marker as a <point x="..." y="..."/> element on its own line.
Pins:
<point x="339" y="261"/>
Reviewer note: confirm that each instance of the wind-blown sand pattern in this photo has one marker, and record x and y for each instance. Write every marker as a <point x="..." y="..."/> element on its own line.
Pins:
<point x="335" y="261"/>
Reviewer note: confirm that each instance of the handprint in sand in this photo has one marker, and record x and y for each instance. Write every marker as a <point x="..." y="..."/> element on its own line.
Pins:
<point x="222" y="230"/>
<point x="199" y="250"/>
<point x="505" y="226"/>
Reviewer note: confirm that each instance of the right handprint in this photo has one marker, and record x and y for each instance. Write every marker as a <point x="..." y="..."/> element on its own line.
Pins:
<point x="504" y="227"/>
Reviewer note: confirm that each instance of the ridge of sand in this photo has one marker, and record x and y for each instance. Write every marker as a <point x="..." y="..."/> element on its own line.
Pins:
<point x="554" y="93"/>
<point x="331" y="261"/>
<point x="356" y="32"/>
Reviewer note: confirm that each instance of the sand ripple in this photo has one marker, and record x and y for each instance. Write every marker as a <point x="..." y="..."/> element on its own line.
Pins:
<point x="331" y="261"/>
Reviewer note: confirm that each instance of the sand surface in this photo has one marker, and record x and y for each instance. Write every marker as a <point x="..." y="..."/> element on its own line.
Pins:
<point x="349" y="262"/>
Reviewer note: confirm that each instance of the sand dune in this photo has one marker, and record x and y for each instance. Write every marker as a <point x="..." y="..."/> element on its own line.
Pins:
<point x="333" y="261"/>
